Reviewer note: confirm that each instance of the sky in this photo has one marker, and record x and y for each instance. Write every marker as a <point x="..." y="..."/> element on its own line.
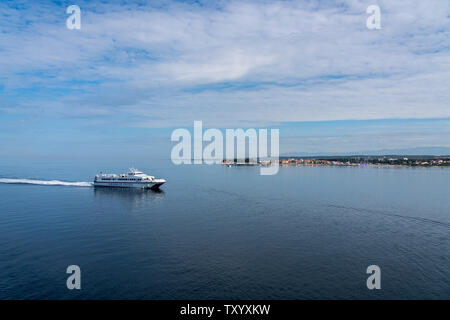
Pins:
<point x="136" y="70"/>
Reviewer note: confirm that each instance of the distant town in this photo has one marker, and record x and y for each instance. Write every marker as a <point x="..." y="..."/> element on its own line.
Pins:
<point x="387" y="160"/>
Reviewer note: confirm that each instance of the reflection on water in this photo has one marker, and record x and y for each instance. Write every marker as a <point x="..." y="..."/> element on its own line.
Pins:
<point x="136" y="197"/>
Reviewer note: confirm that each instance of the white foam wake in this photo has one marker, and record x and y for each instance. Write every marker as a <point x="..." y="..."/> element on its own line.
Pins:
<point x="47" y="182"/>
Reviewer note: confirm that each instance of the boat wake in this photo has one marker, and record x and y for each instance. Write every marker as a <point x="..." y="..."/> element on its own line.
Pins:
<point x="47" y="182"/>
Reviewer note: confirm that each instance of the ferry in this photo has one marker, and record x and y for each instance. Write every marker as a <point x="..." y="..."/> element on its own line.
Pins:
<point x="132" y="179"/>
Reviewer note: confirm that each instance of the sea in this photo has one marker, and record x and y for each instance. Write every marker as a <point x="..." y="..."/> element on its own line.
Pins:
<point x="218" y="232"/>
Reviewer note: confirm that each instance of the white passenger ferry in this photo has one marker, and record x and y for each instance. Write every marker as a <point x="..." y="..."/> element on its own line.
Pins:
<point x="133" y="179"/>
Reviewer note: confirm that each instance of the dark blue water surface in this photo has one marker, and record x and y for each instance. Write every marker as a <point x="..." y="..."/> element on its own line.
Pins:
<point x="215" y="232"/>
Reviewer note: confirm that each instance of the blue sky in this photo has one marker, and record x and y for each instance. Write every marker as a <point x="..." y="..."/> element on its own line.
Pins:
<point x="137" y="69"/>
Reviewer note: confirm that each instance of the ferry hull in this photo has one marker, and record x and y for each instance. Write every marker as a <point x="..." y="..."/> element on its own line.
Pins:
<point x="136" y="185"/>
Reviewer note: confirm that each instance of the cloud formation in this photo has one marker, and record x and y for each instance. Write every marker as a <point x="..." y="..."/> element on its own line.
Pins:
<point x="227" y="63"/>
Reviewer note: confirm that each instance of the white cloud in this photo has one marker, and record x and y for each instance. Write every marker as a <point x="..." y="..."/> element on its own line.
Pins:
<point x="242" y="62"/>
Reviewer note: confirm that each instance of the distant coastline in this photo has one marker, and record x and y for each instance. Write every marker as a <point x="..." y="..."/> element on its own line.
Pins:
<point x="360" y="160"/>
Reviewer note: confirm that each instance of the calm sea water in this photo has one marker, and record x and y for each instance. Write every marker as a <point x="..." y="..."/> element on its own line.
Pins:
<point x="227" y="233"/>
